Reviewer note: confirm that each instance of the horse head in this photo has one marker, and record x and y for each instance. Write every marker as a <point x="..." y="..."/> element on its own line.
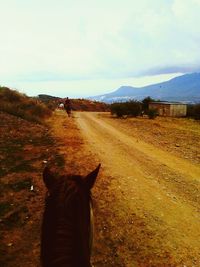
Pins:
<point x="67" y="221"/>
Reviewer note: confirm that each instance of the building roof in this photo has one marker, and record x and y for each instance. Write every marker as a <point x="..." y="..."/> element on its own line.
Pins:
<point x="168" y="103"/>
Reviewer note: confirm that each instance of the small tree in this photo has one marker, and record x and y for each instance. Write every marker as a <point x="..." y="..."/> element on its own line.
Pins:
<point x="145" y="104"/>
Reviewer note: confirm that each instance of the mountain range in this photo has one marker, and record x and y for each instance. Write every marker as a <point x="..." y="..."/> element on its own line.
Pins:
<point x="185" y="88"/>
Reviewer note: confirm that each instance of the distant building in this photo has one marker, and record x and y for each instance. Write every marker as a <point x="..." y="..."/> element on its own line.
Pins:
<point x="169" y="109"/>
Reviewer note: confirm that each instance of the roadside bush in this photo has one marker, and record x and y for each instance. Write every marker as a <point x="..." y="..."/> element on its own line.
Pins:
<point x="118" y="109"/>
<point x="197" y="112"/>
<point x="190" y="110"/>
<point x="134" y="108"/>
<point x="22" y="106"/>
<point x="152" y="113"/>
<point x="193" y="111"/>
<point x="131" y="108"/>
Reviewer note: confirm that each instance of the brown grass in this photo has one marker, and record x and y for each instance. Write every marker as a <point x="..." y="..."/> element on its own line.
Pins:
<point x="24" y="147"/>
<point x="12" y="102"/>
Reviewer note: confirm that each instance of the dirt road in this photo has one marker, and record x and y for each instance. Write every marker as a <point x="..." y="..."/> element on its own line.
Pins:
<point x="152" y="197"/>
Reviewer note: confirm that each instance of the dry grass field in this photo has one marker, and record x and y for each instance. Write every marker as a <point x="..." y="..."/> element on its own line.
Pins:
<point x="146" y="198"/>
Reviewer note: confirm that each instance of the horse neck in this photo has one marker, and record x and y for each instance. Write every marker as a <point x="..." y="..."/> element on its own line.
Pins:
<point x="64" y="238"/>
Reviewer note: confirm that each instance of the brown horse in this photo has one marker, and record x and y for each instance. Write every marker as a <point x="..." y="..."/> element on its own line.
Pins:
<point x="67" y="226"/>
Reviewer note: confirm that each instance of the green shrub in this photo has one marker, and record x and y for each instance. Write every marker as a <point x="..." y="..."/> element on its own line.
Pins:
<point x="130" y="108"/>
<point x="118" y="109"/>
<point x="193" y="111"/>
<point x="190" y="110"/>
<point x="197" y="111"/>
<point x="152" y="113"/>
<point x="134" y="108"/>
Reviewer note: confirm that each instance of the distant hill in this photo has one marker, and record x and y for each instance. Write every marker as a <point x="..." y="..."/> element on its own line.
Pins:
<point x="185" y="88"/>
<point x="47" y="98"/>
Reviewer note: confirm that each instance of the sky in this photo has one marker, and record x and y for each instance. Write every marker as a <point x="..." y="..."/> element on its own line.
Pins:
<point x="84" y="48"/>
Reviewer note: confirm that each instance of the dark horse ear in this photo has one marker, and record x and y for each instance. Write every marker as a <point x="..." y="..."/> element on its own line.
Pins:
<point x="48" y="178"/>
<point x="91" y="177"/>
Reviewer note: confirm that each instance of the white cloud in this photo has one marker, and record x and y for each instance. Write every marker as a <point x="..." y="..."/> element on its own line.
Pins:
<point x="96" y="40"/>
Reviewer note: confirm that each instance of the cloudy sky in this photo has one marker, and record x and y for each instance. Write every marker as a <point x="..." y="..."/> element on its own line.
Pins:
<point x="82" y="48"/>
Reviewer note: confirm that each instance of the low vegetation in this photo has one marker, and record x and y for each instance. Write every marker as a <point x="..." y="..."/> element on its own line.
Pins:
<point x="193" y="111"/>
<point x="20" y="105"/>
<point x="130" y="108"/>
<point x="152" y="113"/>
<point x="134" y="108"/>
